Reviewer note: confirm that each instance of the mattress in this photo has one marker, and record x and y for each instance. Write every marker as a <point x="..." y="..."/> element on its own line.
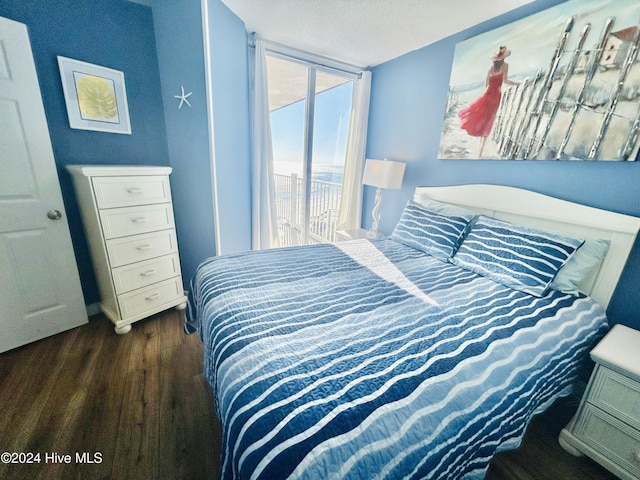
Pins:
<point x="372" y="359"/>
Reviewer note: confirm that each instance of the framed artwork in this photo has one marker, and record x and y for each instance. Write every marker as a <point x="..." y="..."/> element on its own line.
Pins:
<point x="95" y="96"/>
<point x="563" y="84"/>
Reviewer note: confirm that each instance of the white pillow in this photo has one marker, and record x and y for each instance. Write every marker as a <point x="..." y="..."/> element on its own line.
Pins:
<point x="581" y="264"/>
<point x="442" y="207"/>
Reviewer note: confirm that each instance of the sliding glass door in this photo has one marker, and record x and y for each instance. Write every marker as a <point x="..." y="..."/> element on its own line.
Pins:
<point x="310" y="111"/>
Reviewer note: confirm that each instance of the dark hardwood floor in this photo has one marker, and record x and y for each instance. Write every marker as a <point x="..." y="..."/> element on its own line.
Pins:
<point x="138" y="407"/>
<point x="137" y="400"/>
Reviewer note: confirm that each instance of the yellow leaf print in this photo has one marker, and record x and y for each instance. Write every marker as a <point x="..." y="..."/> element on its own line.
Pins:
<point x="96" y="98"/>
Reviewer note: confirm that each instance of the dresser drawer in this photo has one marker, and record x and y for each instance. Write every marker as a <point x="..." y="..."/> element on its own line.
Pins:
<point x="113" y="192"/>
<point x="610" y="437"/>
<point x="616" y="394"/>
<point x="149" y="298"/>
<point x="123" y="251"/>
<point x="141" y="274"/>
<point x="120" y="222"/>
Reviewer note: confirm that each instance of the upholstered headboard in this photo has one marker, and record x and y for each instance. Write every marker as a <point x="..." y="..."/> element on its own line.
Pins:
<point x="524" y="207"/>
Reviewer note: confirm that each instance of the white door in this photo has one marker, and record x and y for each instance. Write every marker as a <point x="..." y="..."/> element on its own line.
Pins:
<point x="40" y="292"/>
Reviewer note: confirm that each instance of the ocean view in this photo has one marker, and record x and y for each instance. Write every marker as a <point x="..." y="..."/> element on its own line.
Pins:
<point x="315" y="221"/>
<point x="321" y="172"/>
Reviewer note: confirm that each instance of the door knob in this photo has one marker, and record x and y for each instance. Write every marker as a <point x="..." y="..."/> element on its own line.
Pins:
<point x="54" y="214"/>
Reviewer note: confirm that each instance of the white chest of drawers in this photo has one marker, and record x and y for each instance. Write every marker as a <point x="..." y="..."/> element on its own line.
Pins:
<point x="607" y="424"/>
<point x="128" y="219"/>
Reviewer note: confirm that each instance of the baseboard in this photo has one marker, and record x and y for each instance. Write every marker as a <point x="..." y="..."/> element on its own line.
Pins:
<point x="93" y="309"/>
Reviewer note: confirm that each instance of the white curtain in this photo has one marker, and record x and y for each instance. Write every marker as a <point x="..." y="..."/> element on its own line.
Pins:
<point x="351" y="201"/>
<point x="264" y="217"/>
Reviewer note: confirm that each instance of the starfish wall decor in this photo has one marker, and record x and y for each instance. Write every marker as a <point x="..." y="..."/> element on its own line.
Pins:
<point x="183" y="98"/>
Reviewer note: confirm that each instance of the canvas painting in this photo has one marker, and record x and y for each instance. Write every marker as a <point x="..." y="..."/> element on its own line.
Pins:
<point x="563" y="84"/>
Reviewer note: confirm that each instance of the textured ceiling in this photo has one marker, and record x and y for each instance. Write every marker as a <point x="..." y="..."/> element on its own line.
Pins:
<point x="363" y="32"/>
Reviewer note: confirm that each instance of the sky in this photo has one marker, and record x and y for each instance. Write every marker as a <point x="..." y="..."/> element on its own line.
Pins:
<point x="331" y="129"/>
<point x="533" y="40"/>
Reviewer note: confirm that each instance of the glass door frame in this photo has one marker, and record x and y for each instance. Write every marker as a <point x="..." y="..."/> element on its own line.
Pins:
<point x="307" y="161"/>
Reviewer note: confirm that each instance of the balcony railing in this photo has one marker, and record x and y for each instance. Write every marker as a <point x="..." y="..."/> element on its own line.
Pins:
<point x="324" y="209"/>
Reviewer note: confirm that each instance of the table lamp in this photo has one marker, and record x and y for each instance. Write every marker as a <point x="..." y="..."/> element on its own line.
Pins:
<point x="382" y="174"/>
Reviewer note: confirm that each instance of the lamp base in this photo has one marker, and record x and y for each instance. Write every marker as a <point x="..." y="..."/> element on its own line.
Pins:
<point x="375" y="213"/>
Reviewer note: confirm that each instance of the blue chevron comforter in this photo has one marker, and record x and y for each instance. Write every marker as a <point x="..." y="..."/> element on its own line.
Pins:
<point x="370" y="359"/>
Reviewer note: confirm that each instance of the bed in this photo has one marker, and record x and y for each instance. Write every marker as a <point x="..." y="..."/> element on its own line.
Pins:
<point x="419" y="355"/>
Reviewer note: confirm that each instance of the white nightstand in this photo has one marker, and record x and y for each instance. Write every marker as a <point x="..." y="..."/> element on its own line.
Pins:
<point x="607" y="424"/>
<point x="354" y="234"/>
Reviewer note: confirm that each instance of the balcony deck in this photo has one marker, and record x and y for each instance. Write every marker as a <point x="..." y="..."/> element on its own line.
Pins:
<point x="324" y="210"/>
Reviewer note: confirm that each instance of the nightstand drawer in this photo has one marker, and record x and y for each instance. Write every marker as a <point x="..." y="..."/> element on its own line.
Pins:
<point x="148" y="299"/>
<point x="141" y="274"/>
<point x="112" y="192"/>
<point x="616" y="394"/>
<point x="610" y="437"/>
<point x="120" y="222"/>
<point x="123" y="251"/>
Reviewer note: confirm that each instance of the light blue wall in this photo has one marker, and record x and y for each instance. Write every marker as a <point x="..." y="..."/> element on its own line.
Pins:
<point x="179" y="43"/>
<point x="407" y="106"/>
<point x="180" y="47"/>
<point x="229" y="64"/>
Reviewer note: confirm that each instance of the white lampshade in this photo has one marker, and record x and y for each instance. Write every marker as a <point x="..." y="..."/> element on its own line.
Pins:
<point x="383" y="174"/>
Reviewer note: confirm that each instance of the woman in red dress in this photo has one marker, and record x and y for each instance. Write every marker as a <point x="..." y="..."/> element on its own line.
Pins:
<point x="477" y="119"/>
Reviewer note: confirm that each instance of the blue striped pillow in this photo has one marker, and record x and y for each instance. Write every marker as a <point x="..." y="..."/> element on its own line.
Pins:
<point x="519" y="257"/>
<point x="433" y="233"/>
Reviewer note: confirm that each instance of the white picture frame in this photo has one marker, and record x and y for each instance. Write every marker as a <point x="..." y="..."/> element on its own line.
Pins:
<point x="95" y="96"/>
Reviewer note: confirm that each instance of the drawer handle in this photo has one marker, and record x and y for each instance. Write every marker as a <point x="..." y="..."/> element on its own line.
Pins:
<point x="139" y="219"/>
<point x="134" y="190"/>
<point x="153" y="296"/>
<point x="148" y="272"/>
<point x="146" y="246"/>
